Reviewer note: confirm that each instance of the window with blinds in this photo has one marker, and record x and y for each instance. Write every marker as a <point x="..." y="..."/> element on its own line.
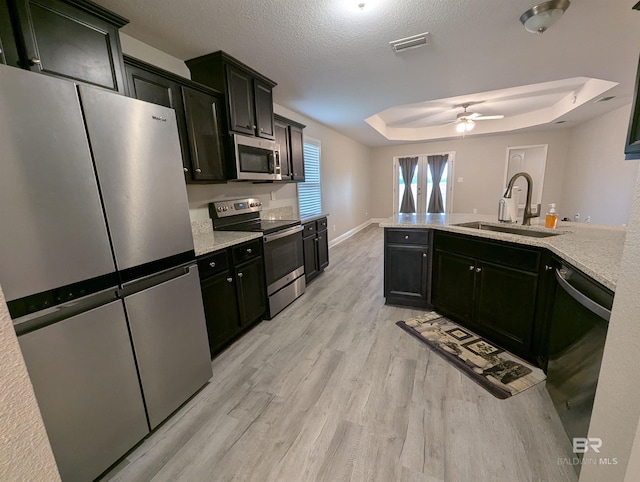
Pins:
<point x="309" y="192"/>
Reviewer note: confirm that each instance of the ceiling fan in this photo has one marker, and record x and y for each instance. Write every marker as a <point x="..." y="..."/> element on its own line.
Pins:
<point x="466" y="120"/>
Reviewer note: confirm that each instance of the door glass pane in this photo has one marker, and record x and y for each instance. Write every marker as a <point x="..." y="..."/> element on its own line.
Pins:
<point x="402" y="186"/>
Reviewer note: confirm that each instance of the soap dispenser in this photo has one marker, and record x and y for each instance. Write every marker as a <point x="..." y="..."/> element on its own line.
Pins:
<point x="552" y="217"/>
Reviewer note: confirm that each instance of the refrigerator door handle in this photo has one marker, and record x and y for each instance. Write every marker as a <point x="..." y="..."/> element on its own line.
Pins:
<point x="40" y="319"/>
<point x="155" y="279"/>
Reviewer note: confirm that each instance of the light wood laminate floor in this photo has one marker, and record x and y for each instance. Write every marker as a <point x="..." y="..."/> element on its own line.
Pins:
<point x="332" y="390"/>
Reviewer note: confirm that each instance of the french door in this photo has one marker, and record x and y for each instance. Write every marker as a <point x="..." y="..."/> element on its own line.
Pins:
<point x="421" y="185"/>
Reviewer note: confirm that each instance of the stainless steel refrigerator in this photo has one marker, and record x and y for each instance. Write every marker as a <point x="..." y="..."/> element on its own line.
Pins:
<point x="97" y="264"/>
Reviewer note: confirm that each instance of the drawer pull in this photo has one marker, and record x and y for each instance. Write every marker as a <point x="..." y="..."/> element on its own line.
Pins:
<point x="424" y="255"/>
<point x="240" y="275"/>
<point x="249" y="250"/>
<point x="230" y="280"/>
<point x="212" y="264"/>
<point x="478" y="270"/>
<point x="406" y="237"/>
<point x="471" y="268"/>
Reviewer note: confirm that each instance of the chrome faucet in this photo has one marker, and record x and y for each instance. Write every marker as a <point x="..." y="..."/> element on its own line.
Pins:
<point x="527" y="207"/>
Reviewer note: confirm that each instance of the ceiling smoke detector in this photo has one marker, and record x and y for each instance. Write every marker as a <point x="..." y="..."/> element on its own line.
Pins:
<point x="410" y="42"/>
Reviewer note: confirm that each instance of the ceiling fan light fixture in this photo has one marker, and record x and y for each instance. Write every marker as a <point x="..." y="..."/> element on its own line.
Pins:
<point x="465" y="126"/>
<point x="542" y="16"/>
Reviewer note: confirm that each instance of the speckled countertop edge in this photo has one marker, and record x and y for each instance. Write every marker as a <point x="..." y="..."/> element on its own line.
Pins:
<point x="206" y="240"/>
<point x="596" y="250"/>
<point x="315" y="217"/>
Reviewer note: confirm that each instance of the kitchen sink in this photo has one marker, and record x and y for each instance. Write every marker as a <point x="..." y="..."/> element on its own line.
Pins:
<point x="520" y="231"/>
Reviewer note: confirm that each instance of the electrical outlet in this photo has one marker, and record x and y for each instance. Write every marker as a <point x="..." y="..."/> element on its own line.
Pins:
<point x="273" y="195"/>
<point x="475" y="211"/>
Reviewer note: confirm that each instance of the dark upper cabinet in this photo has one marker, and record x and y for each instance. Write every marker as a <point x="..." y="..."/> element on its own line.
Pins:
<point x="281" y="131"/>
<point x="241" y="101"/>
<point x="632" y="147"/>
<point x="199" y="114"/>
<point x="8" y="47"/>
<point x="249" y="106"/>
<point x="202" y="112"/>
<point x="297" y="152"/>
<point x="74" y="39"/>
<point x="264" y="109"/>
<point x="289" y="135"/>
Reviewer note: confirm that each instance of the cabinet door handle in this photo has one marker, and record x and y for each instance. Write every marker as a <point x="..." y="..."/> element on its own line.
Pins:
<point x="261" y="129"/>
<point x="185" y="169"/>
<point x="198" y="170"/>
<point x="240" y="275"/>
<point x="230" y="280"/>
<point x="36" y="61"/>
<point x="471" y="268"/>
<point x="424" y="255"/>
<point x="406" y="237"/>
<point x="547" y="267"/>
<point x="212" y="264"/>
<point x="249" y="250"/>
<point x="254" y="128"/>
<point x="478" y="270"/>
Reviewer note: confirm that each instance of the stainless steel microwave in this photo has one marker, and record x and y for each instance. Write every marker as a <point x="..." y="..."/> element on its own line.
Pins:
<point x="256" y="159"/>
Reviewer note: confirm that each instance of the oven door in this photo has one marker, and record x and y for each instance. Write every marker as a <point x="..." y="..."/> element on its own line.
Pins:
<point x="283" y="258"/>
<point x="256" y="159"/>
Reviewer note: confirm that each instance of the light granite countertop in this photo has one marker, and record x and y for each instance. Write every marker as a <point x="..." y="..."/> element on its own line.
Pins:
<point x="594" y="249"/>
<point x="308" y="219"/>
<point x="206" y="240"/>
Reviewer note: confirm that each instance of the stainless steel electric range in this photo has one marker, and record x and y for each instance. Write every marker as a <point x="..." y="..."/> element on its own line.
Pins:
<point x="282" y="242"/>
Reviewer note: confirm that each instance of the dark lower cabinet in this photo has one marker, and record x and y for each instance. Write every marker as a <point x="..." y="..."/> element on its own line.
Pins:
<point x="490" y="287"/>
<point x="199" y="114"/>
<point x="315" y="244"/>
<point x="220" y="309"/>
<point x="453" y="284"/>
<point x="252" y="299"/>
<point x="407" y="267"/>
<point x="233" y="291"/>
<point x="73" y="39"/>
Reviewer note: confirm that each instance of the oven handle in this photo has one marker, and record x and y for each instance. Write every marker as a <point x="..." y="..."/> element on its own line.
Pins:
<point x="281" y="234"/>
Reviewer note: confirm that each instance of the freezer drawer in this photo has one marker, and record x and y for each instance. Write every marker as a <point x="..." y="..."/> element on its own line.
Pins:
<point x="170" y="341"/>
<point x="85" y="381"/>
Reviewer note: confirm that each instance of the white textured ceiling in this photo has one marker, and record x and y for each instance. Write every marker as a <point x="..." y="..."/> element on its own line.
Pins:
<point x="333" y="63"/>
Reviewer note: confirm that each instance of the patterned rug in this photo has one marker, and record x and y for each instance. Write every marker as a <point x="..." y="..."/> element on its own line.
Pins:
<point x="498" y="371"/>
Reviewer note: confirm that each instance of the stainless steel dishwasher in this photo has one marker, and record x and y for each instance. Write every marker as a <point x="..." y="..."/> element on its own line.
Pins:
<point x="577" y="333"/>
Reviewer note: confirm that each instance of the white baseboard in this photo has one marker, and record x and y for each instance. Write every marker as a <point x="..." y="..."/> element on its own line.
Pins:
<point x="353" y="231"/>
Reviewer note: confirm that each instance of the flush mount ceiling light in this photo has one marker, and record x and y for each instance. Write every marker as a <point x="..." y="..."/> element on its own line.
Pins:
<point x="410" y="42"/>
<point x="542" y="16"/>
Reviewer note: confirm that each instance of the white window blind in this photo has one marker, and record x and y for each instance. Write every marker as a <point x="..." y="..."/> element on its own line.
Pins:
<point x="309" y="192"/>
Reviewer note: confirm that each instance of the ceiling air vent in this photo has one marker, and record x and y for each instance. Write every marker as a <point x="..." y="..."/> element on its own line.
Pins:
<point x="410" y="42"/>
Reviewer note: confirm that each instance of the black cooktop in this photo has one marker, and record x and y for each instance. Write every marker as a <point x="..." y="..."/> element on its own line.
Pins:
<point x="266" y="226"/>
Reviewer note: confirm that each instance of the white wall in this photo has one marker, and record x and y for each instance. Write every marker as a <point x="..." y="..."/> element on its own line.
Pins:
<point x="617" y="405"/>
<point x="25" y="453"/>
<point x="345" y="175"/>
<point x="598" y="182"/>
<point x="147" y="53"/>
<point x="480" y="162"/>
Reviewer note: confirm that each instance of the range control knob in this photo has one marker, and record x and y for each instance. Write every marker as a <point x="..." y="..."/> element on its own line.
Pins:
<point x="219" y="209"/>
<point x="225" y="208"/>
<point x="252" y="205"/>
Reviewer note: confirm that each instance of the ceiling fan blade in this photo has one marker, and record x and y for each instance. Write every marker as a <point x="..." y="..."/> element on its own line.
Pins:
<point x="488" y="117"/>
